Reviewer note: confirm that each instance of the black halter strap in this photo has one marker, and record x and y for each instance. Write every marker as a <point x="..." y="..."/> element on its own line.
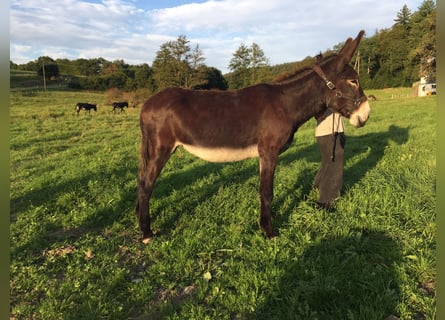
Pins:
<point x="338" y="93"/>
<point x="320" y="72"/>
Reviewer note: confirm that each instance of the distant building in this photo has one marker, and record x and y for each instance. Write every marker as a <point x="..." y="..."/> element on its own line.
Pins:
<point x="424" y="88"/>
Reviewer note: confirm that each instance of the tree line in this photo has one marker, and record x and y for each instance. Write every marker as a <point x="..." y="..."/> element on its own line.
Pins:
<point x="393" y="57"/>
<point x="400" y="55"/>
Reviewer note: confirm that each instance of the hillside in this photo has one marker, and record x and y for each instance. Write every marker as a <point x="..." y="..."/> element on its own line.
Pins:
<point x="21" y="79"/>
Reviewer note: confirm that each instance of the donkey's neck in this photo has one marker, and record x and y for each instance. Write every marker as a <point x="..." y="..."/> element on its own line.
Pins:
<point x="305" y="98"/>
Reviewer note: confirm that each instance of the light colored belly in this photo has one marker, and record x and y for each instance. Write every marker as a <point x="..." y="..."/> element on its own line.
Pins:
<point x="222" y="154"/>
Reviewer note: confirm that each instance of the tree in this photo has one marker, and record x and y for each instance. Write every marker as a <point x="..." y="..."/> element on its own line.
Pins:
<point x="197" y="74"/>
<point x="143" y="76"/>
<point x="424" y="39"/>
<point x="404" y="17"/>
<point x="108" y="68"/>
<point x="13" y="66"/>
<point x="66" y="66"/>
<point x="164" y="68"/>
<point x="258" y="62"/>
<point x="247" y="65"/>
<point x="212" y="79"/>
<point x="399" y="55"/>
<point x="89" y="67"/>
<point x="47" y="67"/>
<point x="239" y="65"/>
<point x="177" y="65"/>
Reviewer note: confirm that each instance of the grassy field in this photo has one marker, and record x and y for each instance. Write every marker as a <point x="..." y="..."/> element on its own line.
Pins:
<point x="75" y="245"/>
<point x="30" y="82"/>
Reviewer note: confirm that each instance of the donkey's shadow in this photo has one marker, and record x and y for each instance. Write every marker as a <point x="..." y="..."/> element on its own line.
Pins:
<point x="373" y="145"/>
<point x="320" y="284"/>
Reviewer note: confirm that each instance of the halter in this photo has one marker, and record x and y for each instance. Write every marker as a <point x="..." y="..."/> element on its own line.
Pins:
<point x="322" y="75"/>
<point x="338" y="93"/>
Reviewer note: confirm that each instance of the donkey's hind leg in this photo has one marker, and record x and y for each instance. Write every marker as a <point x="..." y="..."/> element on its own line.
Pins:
<point x="149" y="170"/>
<point x="267" y="169"/>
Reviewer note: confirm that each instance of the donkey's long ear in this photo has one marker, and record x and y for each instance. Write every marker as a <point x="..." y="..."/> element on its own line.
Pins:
<point x="347" y="52"/>
<point x="347" y="44"/>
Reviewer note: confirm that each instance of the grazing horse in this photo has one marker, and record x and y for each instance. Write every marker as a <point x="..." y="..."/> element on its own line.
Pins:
<point x="257" y="121"/>
<point x="85" y="105"/>
<point x="120" y="105"/>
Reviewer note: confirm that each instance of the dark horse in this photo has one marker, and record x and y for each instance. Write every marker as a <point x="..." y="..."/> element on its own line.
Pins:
<point x="85" y="105"/>
<point x="257" y="121"/>
<point x="120" y="105"/>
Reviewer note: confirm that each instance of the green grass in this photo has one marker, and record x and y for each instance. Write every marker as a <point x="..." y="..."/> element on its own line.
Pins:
<point x="75" y="245"/>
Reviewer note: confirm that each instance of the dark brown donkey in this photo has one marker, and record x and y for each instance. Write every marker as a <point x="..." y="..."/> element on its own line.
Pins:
<point x="257" y="121"/>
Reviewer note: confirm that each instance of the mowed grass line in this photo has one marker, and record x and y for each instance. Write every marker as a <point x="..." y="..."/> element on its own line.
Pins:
<point x="75" y="245"/>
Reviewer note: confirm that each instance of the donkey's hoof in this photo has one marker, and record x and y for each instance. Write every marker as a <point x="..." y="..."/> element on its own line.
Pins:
<point x="327" y="206"/>
<point x="271" y="235"/>
<point x="147" y="240"/>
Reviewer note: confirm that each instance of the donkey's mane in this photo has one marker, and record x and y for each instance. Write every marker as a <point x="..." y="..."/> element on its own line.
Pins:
<point x="301" y="72"/>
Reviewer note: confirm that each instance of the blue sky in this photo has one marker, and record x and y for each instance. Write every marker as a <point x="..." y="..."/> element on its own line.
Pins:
<point x="133" y="30"/>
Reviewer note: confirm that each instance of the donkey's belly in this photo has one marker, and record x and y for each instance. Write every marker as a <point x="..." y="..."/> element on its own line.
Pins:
<point x="222" y="154"/>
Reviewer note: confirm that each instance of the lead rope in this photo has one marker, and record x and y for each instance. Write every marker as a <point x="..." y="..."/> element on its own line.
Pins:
<point x="334" y="135"/>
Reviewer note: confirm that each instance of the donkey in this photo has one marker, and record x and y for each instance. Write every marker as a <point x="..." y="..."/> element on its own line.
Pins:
<point x="85" y="105"/>
<point x="120" y="105"/>
<point x="256" y="121"/>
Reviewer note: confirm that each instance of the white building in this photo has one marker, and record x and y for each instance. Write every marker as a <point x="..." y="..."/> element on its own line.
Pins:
<point x="423" y="88"/>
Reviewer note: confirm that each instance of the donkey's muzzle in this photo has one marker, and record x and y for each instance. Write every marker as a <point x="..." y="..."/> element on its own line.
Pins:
<point x="360" y="115"/>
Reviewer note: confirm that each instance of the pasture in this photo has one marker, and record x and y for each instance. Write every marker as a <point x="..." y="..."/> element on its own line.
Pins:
<point x="76" y="250"/>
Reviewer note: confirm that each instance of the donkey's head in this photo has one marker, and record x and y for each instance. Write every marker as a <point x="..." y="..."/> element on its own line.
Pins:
<point x="343" y="91"/>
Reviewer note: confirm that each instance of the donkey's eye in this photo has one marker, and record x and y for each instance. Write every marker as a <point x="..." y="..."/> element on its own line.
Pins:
<point x="353" y="82"/>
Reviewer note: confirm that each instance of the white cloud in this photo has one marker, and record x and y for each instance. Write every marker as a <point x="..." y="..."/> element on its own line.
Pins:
<point x="287" y="30"/>
<point x="226" y="16"/>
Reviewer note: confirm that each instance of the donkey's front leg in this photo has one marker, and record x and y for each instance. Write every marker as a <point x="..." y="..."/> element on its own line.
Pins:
<point x="267" y="170"/>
